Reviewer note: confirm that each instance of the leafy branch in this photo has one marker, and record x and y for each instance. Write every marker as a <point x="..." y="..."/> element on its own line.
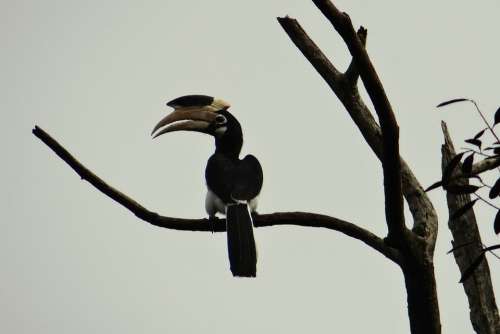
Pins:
<point x="451" y="175"/>
<point x="455" y="180"/>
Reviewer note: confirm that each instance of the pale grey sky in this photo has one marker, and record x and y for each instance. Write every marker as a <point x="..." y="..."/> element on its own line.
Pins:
<point x="96" y="75"/>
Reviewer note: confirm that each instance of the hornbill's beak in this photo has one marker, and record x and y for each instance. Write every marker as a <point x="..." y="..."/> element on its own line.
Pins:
<point x="187" y="119"/>
<point x="192" y="113"/>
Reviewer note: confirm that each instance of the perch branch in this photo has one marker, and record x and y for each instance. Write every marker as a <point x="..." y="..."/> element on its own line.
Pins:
<point x="216" y="225"/>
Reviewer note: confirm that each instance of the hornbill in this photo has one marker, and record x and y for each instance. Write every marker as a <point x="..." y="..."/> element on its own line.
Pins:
<point x="233" y="183"/>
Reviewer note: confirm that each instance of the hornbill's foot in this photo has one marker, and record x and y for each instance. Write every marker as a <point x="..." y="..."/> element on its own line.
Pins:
<point x="212" y="220"/>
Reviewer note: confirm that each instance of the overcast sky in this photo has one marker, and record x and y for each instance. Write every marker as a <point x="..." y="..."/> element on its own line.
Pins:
<point x="96" y="76"/>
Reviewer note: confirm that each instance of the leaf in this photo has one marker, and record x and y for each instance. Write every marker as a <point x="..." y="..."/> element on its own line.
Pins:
<point x="460" y="246"/>
<point x="445" y="103"/>
<point x="479" y="134"/>
<point x="496" y="224"/>
<point x="473" y="141"/>
<point x="495" y="190"/>
<point x="490" y="248"/>
<point x="497" y="117"/>
<point x="434" y="186"/>
<point x="463" y="210"/>
<point x="470" y="270"/>
<point x="467" y="165"/>
<point x="450" y="167"/>
<point x="462" y="189"/>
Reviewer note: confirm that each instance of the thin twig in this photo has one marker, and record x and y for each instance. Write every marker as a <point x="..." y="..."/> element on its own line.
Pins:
<point x="484" y="119"/>
<point x="486" y="201"/>
<point x="468" y="149"/>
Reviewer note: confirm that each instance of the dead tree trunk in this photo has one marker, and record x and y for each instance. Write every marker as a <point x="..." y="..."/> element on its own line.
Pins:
<point x="478" y="288"/>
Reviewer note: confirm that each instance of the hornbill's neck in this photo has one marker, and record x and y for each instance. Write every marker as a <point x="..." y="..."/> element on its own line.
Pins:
<point x="230" y="143"/>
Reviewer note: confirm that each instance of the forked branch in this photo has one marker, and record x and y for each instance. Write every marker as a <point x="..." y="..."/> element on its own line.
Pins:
<point x="416" y="246"/>
<point x="391" y="163"/>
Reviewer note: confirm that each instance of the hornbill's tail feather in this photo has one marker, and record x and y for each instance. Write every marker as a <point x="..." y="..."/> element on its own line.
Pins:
<point x="240" y="240"/>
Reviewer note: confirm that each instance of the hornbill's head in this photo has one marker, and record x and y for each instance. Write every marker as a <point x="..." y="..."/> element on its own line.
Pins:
<point x="203" y="114"/>
<point x="199" y="113"/>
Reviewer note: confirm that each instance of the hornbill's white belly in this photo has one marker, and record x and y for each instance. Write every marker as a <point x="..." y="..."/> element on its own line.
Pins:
<point x="213" y="204"/>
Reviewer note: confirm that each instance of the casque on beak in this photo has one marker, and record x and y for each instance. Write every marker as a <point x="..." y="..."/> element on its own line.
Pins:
<point x="185" y="119"/>
<point x="192" y="113"/>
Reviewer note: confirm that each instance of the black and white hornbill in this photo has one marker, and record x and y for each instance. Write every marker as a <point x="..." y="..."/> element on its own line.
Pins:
<point x="233" y="183"/>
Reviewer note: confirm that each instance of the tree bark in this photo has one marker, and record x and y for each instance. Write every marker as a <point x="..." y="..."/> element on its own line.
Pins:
<point x="423" y="307"/>
<point x="478" y="288"/>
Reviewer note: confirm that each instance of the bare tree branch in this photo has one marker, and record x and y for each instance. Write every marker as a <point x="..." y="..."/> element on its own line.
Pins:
<point x="483" y="309"/>
<point x="477" y="168"/>
<point x="217" y="225"/>
<point x="352" y="73"/>
<point x="391" y="163"/>
<point x="348" y="94"/>
<point x="482" y="166"/>
<point x="424" y="215"/>
<point x="311" y="51"/>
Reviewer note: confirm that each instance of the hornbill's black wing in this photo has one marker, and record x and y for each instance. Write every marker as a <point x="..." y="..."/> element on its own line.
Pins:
<point x="248" y="179"/>
<point x="234" y="180"/>
<point x="219" y="176"/>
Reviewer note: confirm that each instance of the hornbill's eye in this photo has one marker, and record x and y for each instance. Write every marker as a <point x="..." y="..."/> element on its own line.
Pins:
<point x="220" y="120"/>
